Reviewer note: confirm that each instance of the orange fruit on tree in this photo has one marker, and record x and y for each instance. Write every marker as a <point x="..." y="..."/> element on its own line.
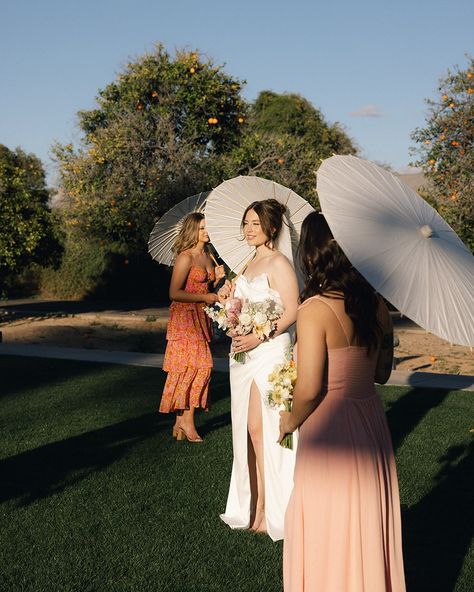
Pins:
<point x="469" y="74"/>
<point x="192" y="70"/>
<point x="444" y="97"/>
<point x="469" y="91"/>
<point x="241" y="120"/>
<point x="451" y="105"/>
<point x="281" y="161"/>
<point x="427" y="142"/>
<point x="154" y="94"/>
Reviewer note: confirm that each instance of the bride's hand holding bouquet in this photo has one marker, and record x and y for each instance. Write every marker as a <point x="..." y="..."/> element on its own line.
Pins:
<point x="248" y="323"/>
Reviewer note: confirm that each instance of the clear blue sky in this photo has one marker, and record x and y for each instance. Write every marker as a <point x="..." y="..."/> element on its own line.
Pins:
<point x="377" y="58"/>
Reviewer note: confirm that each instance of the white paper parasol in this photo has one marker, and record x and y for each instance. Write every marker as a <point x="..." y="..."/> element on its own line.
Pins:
<point x="401" y="245"/>
<point x="226" y="205"/>
<point x="166" y="230"/>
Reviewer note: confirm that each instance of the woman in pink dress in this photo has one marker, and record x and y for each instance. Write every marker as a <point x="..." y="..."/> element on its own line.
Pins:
<point x="188" y="359"/>
<point x="342" y="525"/>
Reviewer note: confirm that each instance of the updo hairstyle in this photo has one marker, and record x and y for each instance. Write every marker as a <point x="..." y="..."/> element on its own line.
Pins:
<point x="270" y="213"/>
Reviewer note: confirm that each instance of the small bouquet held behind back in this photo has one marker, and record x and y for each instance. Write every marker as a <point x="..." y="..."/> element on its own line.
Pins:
<point x="242" y="317"/>
<point x="280" y="394"/>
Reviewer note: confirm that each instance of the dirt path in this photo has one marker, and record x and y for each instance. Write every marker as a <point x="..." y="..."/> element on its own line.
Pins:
<point x="417" y="351"/>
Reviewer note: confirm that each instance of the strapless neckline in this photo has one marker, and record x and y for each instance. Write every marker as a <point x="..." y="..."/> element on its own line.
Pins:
<point x="254" y="279"/>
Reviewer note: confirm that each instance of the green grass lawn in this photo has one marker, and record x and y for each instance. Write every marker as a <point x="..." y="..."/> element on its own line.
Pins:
<point x="96" y="496"/>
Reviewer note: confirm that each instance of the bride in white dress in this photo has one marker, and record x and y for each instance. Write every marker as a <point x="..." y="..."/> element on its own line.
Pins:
<point x="262" y="471"/>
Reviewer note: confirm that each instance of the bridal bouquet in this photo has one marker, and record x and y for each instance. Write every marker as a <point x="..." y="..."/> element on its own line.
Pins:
<point x="226" y="316"/>
<point x="245" y="317"/>
<point x="280" y="395"/>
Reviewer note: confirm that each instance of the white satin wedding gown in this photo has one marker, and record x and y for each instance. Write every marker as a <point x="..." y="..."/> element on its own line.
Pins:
<point x="278" y="461"/>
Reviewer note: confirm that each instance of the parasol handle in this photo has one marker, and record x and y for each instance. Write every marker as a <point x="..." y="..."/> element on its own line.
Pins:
<point x="214" y="259"/>
<point x="244" y="268"/>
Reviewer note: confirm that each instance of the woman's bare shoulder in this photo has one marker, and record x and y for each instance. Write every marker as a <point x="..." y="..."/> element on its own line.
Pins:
<point x="280" y="266"/>
<point x="313" y="307"/>
<point x="278" y="258"/>
<point x="185" y="258"/>
<point x="312" y="317"/>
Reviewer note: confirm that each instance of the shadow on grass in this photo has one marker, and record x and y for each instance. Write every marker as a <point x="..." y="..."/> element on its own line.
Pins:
<point x="409" y="410"/>
<point x="438" y="530"/>
<point x="41" y="372"/>
<point x="49" y="469"/>
<point x="219" y="391"/>
<point x="215" y="423"/>
<point x="219" y="387"/>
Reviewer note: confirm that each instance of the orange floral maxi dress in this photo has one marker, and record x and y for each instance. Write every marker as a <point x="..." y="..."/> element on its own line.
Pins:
<point x="188" y="359"/>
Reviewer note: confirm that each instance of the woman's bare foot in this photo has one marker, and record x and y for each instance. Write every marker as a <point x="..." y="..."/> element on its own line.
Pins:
<point x="261" y="528"/>
<point x="259" y="521"/>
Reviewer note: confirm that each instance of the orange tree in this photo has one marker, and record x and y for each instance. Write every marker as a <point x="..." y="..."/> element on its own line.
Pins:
<point x="148" y="144"/>
<point x="285" y="139"/>
<point x="446" y="150"/>
<point x="166" y="128"/>
<point x="28" y="233"/>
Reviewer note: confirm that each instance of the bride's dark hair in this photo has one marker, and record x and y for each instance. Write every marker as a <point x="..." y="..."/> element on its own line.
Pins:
<point x="328" y="270"/>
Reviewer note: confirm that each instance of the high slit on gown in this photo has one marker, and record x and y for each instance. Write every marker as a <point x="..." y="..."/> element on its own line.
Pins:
<point x="278" y="461"/>
<point x="342" y="525"/>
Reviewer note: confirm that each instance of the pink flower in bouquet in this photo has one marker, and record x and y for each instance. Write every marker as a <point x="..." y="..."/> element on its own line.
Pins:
<point x="233" y="306"/>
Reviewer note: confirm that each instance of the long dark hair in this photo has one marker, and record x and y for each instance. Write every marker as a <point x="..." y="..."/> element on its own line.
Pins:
<point x="328" y="270"/>
<point x="270" y="213"/>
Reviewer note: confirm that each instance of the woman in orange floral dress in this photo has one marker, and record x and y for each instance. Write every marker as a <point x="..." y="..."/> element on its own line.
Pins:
<point x="188" y="359"/>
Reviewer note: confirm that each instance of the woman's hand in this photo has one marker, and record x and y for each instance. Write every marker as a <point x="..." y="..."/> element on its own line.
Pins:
<point x="220" y="272"/>
<point x="225" y="292"/>
<point x="210" y="298"/>
<point x="243" y="343"/>
<point x="286" y="425"/>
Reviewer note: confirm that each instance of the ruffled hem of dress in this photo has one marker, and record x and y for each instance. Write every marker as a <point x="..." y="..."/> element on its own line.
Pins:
<point x="187" y="389"/>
